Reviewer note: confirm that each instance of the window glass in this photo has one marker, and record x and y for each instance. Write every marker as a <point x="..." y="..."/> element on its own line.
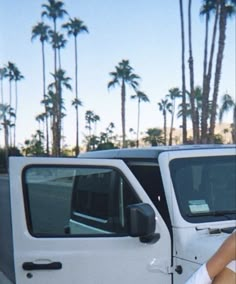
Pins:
<point x="66" y="201"/>
<point x="149" y="176"/>
<point x="205" y="187"/>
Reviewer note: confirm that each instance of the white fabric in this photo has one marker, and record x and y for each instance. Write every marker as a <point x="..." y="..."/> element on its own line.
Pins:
<point x="201" y="276"/>
<point x="232" y="266"/>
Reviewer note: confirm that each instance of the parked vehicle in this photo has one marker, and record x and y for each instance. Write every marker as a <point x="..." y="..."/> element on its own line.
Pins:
<point x="150" y="215"/>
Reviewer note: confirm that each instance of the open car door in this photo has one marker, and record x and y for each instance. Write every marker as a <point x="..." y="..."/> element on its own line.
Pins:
<point x="70" y="225"/>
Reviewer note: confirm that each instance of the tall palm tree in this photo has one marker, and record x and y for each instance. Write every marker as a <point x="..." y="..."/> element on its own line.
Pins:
<point x="164" y="106"/>
<point x="227" y="103"/>
<point x="41" y="31"/>
<point x="122" y="76"/>
<point x="173" y="94"/>
<point x="227" y="9"/>
<point x="184" y="119"/>
<point x="74" y="27"/>
<point x="54" y="10"/>
<point x="3" y="73"/>
<point x="141" y="97"/>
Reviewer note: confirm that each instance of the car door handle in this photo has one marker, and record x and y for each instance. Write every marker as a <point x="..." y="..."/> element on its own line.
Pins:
<point x="41" y="266"/>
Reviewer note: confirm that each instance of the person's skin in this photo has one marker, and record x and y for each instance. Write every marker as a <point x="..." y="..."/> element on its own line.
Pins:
<point x="216" y="265"/>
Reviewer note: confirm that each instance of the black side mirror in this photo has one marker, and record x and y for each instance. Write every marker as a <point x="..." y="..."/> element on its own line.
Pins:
<point x="141" y="222"/>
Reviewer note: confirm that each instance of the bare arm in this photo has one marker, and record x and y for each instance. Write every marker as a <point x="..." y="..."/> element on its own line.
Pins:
<point x="224" y="255"/>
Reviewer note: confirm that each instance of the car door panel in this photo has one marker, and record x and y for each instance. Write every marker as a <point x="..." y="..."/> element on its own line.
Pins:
<point x="44" y="253"/>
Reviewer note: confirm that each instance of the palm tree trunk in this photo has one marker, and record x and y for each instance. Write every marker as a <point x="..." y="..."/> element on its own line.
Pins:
<point x="234" y="126"/>
<point x="6" y="137"/>
<point x="2" y="99"/>
<point x="123" y="114"/>
<point x="76" y="95"/>
<point x="16" y="108"/>
<point x="44" y="97"/>
<point x="56" y="126"/>
<point x="59" y="59"/>
<point x="204" y="95"/>
<point x="10" y="102"/>
<point x="206" y="91"/>
<point x="191" y="74"/>
<point x="172" y="123"/>
<point x="138" y="123"/>
<point x="184" y="120"/>
<point x="164" y="114"/>
<point x="219" y="59"/>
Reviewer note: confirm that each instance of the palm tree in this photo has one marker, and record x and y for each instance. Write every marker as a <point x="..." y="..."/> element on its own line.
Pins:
<point x="55" y="10"/>
<point x="227" y="104"/>
<point x="141" y="97"/>
<point x="227" y="9"/>
<point x="173" y="94"/>
<point x="154" y="137"/>
<point x="3" y="73"/>
<point x="164" y="106"/>
<point x="123" y="75"/>
<point x="41" y="30"/>
<point x="184" y="119"/>
<point x="75" y="27"/>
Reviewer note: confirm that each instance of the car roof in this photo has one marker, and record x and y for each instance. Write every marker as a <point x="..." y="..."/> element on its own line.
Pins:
<point x="148" y="152"/>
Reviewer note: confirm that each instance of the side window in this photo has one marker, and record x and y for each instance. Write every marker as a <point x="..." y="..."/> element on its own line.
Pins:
<point x="76" y="201"/>
<point x="149" y="177"/>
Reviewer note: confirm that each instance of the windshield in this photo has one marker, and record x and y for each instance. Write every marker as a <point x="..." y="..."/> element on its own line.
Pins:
<point x="205" y="187"/>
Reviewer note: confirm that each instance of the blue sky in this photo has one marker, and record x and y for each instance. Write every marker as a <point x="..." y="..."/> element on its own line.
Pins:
<point x="145" y="32"/>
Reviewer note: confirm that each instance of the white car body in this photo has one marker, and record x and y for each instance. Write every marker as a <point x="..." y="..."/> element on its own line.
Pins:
<point x="179" y="247"/>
